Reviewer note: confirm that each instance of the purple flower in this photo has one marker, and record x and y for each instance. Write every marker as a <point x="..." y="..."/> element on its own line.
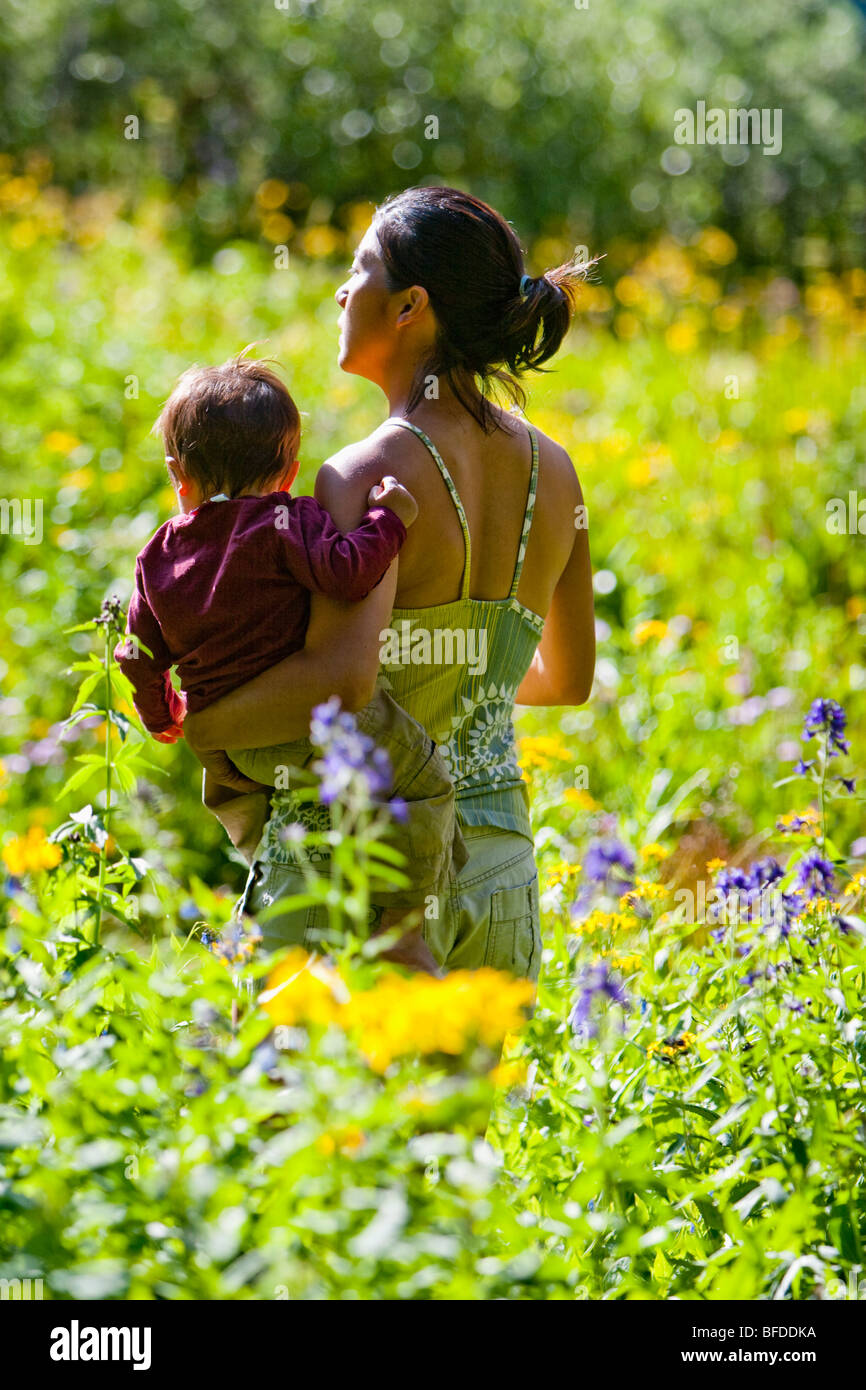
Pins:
<point x="733" y="881"/>
<point x="350" y="760"/>
<point x="814" y="875"/>
<point x="765" y="872"/>
<point x="596" y="982"/>
<point x="603" y="858"/>
<point x="753" y="888"/>
<point x="848" y="784"/>
<point x="826" y="716"/>
<point x="802" y="767"/>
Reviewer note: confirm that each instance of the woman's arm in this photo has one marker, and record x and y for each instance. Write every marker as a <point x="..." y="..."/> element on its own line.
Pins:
<point x="564" y="663"/>
<point x="340" y="657"/>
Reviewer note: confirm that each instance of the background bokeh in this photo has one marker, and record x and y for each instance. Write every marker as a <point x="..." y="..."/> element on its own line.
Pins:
<point x="562" y="116"/>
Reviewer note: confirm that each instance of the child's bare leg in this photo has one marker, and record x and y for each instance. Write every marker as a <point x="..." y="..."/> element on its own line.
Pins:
<point x="411" y="949"/>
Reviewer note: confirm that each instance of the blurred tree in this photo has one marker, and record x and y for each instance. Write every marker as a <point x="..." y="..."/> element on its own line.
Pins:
<point x="562" y="116"/>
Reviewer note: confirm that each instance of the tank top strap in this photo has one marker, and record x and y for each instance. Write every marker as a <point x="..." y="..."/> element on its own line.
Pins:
<point x="454" y="495"/>
<point x="527" y="516"/>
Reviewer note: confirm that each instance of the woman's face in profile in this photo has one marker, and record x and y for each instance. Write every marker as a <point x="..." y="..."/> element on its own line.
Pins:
<point x="366" y="333"/>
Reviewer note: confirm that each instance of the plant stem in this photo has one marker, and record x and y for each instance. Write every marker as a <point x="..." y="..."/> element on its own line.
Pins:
<point x="103" y="849"/>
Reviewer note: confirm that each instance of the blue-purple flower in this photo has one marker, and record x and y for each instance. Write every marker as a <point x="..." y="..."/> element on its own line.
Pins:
<point x="761" y="901"/>
<point x="814" y="877"/>
<point x="827" y="716"/>
<point x="597" y="982"/>
<point x="350" y="760"/>
<point x="611" y="864"/>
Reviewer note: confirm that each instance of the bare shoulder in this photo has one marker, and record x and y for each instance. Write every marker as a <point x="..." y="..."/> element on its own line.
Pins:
<point x="557" y="475"/>
<point x="389" y="449"/>
<point x="344" y="480"/>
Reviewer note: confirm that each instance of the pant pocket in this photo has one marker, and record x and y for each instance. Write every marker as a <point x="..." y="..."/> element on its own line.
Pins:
<point x="514" y="939"/>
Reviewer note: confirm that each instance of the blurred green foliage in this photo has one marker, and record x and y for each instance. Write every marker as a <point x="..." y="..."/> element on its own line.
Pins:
<point x="561" y="116"/>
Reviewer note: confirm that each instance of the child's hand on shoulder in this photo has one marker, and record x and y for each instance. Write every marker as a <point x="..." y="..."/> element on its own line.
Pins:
<point x="389" y="493"/>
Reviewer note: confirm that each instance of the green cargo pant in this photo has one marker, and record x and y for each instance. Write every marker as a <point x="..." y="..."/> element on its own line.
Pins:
<point x="488" y="913"/>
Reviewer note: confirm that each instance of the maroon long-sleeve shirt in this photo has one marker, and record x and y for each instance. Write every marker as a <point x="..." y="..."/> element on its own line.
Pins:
<point x="224" y="592"/>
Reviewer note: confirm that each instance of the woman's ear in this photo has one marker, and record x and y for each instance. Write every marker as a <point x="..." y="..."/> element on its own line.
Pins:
<point x="414" y="302"/>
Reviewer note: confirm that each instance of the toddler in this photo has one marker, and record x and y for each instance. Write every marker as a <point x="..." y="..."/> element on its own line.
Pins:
<point x="222" y="591"/>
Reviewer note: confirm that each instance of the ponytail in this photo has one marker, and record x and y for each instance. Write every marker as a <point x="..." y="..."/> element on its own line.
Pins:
<point x="494" y="321"/>
<point x="538" y="319"/>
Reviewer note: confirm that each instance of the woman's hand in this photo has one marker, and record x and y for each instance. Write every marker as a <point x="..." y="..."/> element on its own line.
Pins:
<point x="221" y="773"/>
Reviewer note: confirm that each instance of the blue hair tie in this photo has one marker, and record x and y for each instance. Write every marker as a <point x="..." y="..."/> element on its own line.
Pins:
<point x="525" y="282"/>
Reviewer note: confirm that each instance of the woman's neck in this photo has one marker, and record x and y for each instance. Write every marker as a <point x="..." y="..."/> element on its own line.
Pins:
<point x="442" y="403"/>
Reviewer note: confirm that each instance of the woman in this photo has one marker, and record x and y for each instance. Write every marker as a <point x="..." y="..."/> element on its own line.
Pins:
<point x="493" y="588"/>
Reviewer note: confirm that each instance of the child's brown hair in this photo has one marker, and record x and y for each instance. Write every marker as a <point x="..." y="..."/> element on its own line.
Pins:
<point x="232" y="427"/>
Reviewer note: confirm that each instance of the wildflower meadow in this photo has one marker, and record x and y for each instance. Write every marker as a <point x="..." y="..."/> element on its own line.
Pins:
<point x="678" y="1112"/>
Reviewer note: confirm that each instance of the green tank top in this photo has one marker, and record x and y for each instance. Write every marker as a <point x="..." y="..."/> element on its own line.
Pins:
<point x="456" y="668"/>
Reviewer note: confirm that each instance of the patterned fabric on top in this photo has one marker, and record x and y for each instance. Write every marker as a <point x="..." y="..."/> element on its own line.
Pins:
<point x="456" y="668"/>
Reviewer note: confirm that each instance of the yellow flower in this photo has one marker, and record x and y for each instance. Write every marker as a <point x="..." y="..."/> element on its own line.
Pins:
<point x="653" y="628"/>
<point x="59" y="442"/>
<point x="672" y="1048"/>
<point x="321" y="240"/>
<point x="541" y="751"/>
<point x="398" y="1016"/>
<point x="856" y="885"/>
<point x="717" y="246"/>
<point x="598" y="922"/>
<point x="806" y="822"/>
<point x="347" y="1139"/>
<point x="629" y="290"/>
<point x="580" y="797"/>
<point x="821" y="905"/>
<point x="79" y="478"/>
<point x="796" y="421"/>
<point x="626" y="962"/>
<point x="714" y="865"/>
<point x="644" y="889"/>
<point x="272" y="194"/>
<point x="277" y="228"/>
<point x="681" y="336"/>
<point x="303" y="989"/>
<point x="726" y="316"/>
<point x="28" y="854"/>
<point x="563" y="873"/>
<point x="627" y="325"/>
<point x="424" y="1015"/>
<point x="509" y="1074"/>
<point x="640" y="472"/>
<point x="654" y="852"/>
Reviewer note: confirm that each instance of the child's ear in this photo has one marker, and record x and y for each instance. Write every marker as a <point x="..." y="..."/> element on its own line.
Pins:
<point x="179" y="480"/>
<point x="290" y="475"/>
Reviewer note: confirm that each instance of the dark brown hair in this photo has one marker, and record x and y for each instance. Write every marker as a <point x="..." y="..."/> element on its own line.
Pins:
<point x="470" y="262"/>
<point x="231" y="427"/>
